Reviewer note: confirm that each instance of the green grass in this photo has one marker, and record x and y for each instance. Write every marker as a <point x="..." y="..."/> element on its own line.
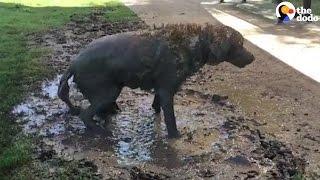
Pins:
<point x="118" y="12"/>
<point x="16" y="154"/>
<point x="298" y="176"/>
<point x="21" y="67"/>
<point x="62" y="3"/>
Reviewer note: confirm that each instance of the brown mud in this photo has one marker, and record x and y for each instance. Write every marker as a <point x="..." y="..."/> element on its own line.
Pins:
<point x="218" y="139"/>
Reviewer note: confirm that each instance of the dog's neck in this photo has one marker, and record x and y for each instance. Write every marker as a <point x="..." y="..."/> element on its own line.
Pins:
<point x="195" y="57"/>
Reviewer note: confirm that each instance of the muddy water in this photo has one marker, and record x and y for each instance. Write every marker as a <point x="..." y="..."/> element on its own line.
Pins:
<point x="213" y="135"/>
<point x="137" y="133"/>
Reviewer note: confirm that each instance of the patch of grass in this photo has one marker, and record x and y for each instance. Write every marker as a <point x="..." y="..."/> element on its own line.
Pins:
<point x="118" y="12"/>
<point x="298" y="176"/>
<point x="16" y="154"/>
<point x="21" y="66"/>
<point x="59" y="3"/>
<point x="52" y="169"/>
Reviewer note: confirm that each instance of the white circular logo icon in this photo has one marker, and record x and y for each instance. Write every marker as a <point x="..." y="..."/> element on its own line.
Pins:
<point x="285" y="11"/>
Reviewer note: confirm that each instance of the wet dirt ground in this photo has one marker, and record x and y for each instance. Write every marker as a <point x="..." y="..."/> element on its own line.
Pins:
<point x="226" y="131"/>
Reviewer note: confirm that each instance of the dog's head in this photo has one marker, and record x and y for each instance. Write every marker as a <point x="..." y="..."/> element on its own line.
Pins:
<point x="225" y="44"/>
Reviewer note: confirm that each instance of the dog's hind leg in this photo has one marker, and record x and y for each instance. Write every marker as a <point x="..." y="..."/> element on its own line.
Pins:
<point x="103" y="98"/>
<point x="156" y="103"/>
<point x="104" y="111"/>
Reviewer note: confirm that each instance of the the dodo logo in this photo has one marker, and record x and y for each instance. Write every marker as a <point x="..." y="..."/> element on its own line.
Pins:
<point x="285" y="11"/>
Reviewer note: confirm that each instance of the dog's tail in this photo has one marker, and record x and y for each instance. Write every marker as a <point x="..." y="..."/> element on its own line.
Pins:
<point x="63" y="92"/>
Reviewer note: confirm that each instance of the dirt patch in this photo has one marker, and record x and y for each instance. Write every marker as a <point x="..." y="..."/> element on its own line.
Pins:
<point x="66" y="42"/>
<point x="218" y="139"/>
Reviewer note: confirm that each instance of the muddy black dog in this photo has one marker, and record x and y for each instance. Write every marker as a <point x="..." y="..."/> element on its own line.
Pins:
<point x="160" y="59"/>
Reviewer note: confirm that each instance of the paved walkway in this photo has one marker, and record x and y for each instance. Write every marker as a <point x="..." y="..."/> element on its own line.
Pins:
<point x="296" y="44"/>
<point x="170" y="11"/>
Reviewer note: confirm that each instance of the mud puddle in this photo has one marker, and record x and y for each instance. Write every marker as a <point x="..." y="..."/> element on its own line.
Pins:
<point x="216" y="140"/>
<point x="136" y="135"/>
<point x="214" y="135"/>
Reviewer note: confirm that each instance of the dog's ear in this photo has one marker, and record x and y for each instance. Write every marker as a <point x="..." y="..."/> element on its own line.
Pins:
<point x="221" y="50"/>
